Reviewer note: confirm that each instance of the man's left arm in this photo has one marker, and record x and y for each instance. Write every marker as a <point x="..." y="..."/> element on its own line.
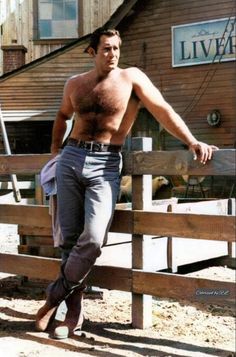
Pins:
<point x="163" y="112"/>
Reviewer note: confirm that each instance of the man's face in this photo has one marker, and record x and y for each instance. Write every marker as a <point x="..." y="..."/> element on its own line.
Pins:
<point x="108" y="53"/>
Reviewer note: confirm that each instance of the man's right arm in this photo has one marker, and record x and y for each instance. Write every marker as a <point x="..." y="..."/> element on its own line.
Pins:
<point x="64" y="113"/>
<point x="59" y="129"/>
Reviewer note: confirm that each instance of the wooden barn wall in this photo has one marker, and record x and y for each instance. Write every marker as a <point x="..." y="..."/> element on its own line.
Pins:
<point x="96" y="13"/>
<point x="147" y="44"/>
<point x="17" y="25"/>
<point x="36" y="93"/>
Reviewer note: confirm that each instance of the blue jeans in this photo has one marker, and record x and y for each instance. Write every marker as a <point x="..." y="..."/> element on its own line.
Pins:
<point x="87" y="188"/>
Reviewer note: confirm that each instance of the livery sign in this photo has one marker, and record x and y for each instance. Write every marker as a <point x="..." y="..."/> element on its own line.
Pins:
<point x="204" y="42"/>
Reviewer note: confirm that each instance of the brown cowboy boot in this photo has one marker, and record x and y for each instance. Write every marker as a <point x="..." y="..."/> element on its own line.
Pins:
<point x="56" y="292"/>
<point x="74" y="316"/>
<point x="44" y="316"/>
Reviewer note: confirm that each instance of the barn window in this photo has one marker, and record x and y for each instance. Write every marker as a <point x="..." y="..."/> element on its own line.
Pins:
<point x="29" y="137"/>
<point x="57" y="19"/>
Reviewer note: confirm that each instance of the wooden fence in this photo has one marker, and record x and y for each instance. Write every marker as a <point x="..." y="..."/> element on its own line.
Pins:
<point x="141" y="222"/>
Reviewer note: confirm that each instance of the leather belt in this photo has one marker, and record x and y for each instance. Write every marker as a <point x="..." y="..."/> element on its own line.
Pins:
<point x="93" y="146"/>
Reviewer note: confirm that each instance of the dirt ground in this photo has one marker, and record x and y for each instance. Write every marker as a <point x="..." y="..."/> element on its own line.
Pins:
<point x="179" y="328"/>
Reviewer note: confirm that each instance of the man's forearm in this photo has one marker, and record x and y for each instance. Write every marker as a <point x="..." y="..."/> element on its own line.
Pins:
<point x="182" y="132"/>
<point x="58" y="132"/>
<point x="175" y="125"/>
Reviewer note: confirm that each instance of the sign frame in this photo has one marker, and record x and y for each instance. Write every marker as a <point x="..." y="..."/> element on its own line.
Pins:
<point x="197" y="34"/>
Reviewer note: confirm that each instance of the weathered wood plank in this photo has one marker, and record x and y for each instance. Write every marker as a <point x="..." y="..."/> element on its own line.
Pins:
<point x="110" y="278"/>
<point x="23" y="164"/>
<point x="34" y="231"/>
<point x="212" y="227"/>
<point x="175" y="286"/>
<point x="38" y="216"/>
<point x="122" y="221"/>
<point x="34" y="240"/>
<point x="48" y="269"/>
<point x="30" y="266"/>
<point x="141" y="200"/>
<point x="162" y="285"/>
<point x="179" y="163"/>
<point x="138" y="163"/>
<point x="23" y="185"/>
<point x="40" y="250"/>
<point x="30" y="215"/>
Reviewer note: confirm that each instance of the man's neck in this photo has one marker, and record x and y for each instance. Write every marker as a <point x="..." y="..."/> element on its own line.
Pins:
<point x="100" y="75"/>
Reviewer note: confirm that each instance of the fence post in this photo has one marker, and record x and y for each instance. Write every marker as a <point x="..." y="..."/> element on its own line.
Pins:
<point x="141" y="200"/>
<point x="39" y="195"/>
<point x="230" y="211"/>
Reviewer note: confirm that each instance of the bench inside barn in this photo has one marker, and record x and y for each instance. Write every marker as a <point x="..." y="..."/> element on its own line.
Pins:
<point x="145" y="225"/>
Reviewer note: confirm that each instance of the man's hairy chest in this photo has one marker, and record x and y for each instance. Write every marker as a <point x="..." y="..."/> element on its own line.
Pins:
<point x="107" y="98"/>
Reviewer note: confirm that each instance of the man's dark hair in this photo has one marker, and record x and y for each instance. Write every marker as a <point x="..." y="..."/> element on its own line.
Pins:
<point x="96" y="35"/>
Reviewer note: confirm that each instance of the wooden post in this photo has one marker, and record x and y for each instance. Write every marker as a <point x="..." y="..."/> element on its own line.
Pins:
<point x="170" y="264"/>
<point x="169" y="248"/>
<point x="231" y="210"/>
<point x="141" y="200"/>
<point x="39" y="195"/>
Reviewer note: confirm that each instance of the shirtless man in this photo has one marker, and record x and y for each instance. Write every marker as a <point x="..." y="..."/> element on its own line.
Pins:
<point x="105" y="102"/>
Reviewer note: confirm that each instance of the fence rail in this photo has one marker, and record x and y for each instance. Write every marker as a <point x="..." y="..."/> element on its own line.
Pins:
<point x="182" y="225"/>
<point x="139" y="221"/>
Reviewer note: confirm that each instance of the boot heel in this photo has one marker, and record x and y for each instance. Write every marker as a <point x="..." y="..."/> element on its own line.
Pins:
<point x="74" y="316"/>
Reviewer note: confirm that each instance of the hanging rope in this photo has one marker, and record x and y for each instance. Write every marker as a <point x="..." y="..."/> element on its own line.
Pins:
<point x="210" y="73"/>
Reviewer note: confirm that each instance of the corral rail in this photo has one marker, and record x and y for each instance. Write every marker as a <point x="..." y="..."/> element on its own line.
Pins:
<point x="140" y="221"/>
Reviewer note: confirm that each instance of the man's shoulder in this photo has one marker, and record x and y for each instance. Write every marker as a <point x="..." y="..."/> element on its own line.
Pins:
<point x="78" y="77"/>
<point x="134" y="74"/>
<point x="131" y="71"/>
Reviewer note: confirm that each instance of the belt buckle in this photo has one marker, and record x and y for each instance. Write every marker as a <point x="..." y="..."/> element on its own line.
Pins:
<point x="94" y="146"/>
<point x="97" y="146"/>
<point x="90" y="145"/>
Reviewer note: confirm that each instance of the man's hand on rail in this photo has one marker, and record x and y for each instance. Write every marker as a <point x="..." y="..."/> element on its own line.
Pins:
<point x="201" y="151"/>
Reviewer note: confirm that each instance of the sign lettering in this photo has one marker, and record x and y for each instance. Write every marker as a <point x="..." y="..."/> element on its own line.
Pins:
<point x="204" y="42"/>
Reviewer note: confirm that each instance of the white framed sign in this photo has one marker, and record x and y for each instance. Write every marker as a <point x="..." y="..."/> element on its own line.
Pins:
<point x="204" y="42"/>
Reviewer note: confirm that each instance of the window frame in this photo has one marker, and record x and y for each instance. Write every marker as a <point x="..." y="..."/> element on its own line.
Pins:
<point x="38" y="40"/>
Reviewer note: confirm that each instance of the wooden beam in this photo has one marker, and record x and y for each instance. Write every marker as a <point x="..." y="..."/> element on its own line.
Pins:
<point x="122" y="221"/>
<point x="38" y="216"/>
<point x="23" y="164"/>
<point x="34" y="231"/>
<point x="138" y="163"/>
<point x="30" y="266"/>
<point x="120" y="13"/>
<point x="108" y="277"/>
<point x="179" y="163"/>
<point x="30" y="215"/>
<point x="48" y="269"/>
<point x="164" y="285"/>
<point x="212" y="227"/>
<point x="141" y="200"/>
